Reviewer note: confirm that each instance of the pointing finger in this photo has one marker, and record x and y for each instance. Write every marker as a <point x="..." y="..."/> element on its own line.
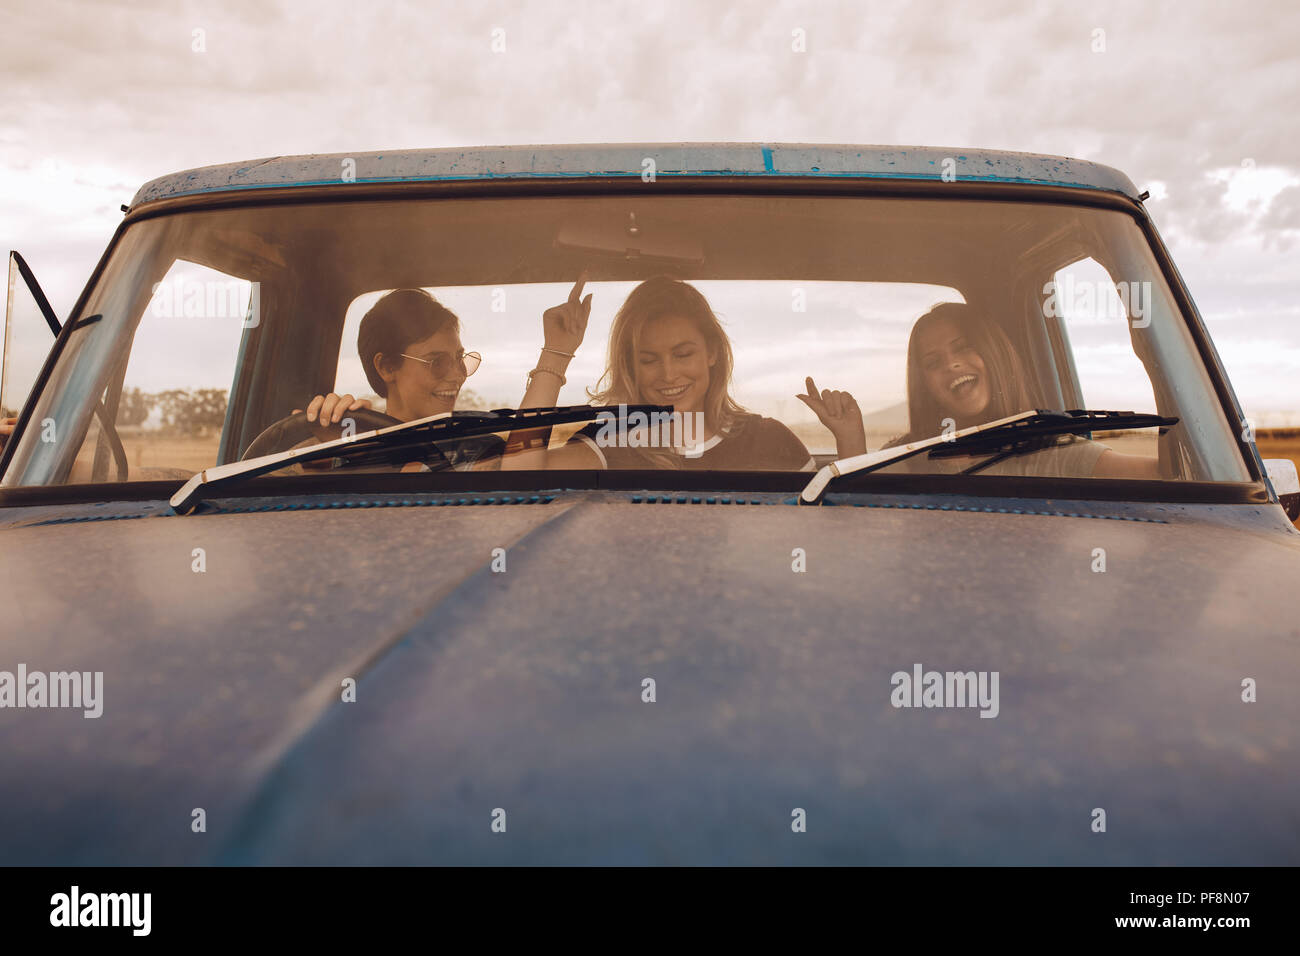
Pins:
<point x="575" y="294"/>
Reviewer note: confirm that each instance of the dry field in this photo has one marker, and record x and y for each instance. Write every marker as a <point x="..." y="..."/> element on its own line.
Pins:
<point x="187" y="453"/>
<point x="154" y="456"/>
<point x="1279" y="443"/>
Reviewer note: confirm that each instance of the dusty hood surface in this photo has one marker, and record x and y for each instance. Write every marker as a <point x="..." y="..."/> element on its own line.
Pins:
<point x="479" y="692"/>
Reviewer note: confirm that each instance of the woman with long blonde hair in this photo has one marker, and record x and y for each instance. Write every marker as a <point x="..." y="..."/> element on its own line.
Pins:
<point x="667" y="348"/>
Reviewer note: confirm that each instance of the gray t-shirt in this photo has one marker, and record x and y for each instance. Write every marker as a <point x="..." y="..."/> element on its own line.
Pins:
<point x="1072" y="457"/>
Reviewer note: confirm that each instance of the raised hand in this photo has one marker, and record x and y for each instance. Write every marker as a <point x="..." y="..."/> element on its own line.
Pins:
<point x="563" y="326"/>
<point x="838" y="411"/>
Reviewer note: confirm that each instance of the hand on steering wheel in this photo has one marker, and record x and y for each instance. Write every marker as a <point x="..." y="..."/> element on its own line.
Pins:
<point x="297" y="428"/>
<point x="327" y="411"/>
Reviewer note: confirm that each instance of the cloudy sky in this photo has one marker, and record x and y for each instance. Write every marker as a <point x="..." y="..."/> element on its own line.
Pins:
<point x="1197" y="102"/>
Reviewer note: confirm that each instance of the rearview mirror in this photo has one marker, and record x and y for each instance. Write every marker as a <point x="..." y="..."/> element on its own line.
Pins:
<point x="629" y="236"/>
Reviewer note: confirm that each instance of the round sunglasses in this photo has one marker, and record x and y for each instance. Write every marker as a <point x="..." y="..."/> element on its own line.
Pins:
<point x="441" y="363"/>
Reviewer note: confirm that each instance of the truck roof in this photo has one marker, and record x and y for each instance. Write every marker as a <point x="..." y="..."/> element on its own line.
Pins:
<point x="922" y="163"/>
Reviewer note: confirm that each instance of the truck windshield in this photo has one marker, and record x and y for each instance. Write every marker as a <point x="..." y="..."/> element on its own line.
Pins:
<point x="783" y="332"/>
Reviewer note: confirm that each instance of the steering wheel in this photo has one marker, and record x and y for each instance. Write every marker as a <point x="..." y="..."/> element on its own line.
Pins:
<point x="292" y="429"/>
<point x="454" y="453"/>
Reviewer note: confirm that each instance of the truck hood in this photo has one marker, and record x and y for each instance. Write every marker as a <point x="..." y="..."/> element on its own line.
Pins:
<point x="615" y="678"/>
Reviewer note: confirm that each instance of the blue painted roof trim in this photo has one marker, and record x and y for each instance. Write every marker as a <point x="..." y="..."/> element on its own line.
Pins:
<point x="628" y="161"/>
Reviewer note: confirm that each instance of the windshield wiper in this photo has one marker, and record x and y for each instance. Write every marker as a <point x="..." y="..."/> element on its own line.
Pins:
<point x="393" y="443"/>
<point x="1014" y="435"/>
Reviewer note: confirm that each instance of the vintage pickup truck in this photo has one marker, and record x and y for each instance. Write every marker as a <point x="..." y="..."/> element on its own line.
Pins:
<point x="972" y="558"/>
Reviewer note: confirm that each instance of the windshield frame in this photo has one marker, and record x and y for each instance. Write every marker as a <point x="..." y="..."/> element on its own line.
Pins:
<point x="1255" y="490"/>
<point x="683" y="483"/>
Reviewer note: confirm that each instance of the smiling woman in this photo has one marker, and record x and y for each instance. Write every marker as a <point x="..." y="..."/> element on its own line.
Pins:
<point x="410" y="350"/>
<point x="963" y="370"/>
<point x="667" y="348"/>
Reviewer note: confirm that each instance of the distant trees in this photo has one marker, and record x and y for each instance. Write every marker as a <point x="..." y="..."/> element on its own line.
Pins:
<point x="134" y="406"/>
<point x="180" y="411"/>
<point x="470" y="400"/>
<point x="189" y="411"/>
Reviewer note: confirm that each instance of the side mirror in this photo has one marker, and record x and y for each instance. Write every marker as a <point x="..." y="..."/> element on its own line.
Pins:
<point x="1286" y="483"/>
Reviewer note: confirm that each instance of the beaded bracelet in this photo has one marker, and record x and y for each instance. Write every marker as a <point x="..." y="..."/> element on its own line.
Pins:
<point x="539" y="368"/>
